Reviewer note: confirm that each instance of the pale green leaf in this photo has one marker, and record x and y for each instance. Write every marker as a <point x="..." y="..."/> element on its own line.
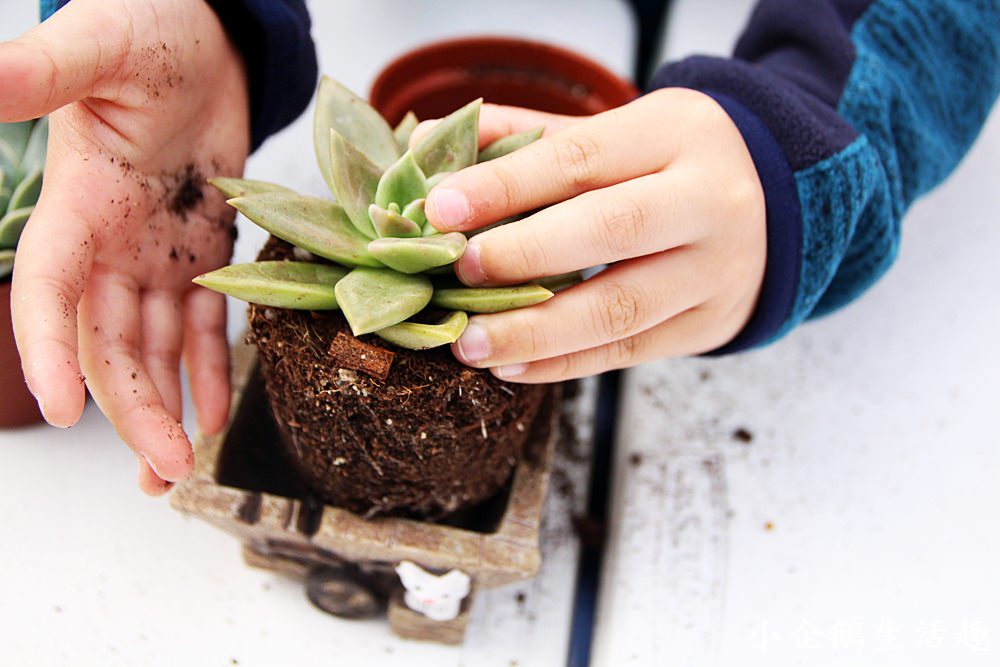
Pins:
<point x="420" y="254"/>
<point x="414" y="336"/>
<point x="401" y="183"/>
<point x="26" y="193"/>
<point x="337" y="108"/>
<point x="13" y="140"/>
<point x="453" y="143"/>
<point x="490" y="299"/>
<point x="405" y="128"/>
<point x="509" y="144"/>
<point x="562" y="281"/>
<point x="390" y="224"/>
<point x="415" y="212"/>
<point x="313" y="224"/>
<point x="355" y="179"/>
<point x="38" y="143"/>
<point x="241" y="187"/>
<point x="374" y="299"/>
<point x="12" y="224"/>
<point x="295" y="285"/>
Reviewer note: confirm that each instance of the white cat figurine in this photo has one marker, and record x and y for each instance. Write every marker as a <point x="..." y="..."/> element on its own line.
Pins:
<point x="437" y="598"/>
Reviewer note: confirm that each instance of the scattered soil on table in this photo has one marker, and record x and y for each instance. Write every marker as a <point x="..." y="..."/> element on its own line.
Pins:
<point x="434" y="436"/>
<point x="743" y="435"/>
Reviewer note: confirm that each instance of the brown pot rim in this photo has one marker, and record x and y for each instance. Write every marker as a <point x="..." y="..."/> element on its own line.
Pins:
<point x="429" y="66"/>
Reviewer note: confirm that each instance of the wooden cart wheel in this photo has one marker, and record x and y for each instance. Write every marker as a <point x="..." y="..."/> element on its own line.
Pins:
<point x="341" y="592"/>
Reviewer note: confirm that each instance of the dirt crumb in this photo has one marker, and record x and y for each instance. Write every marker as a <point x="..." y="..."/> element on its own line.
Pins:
<point x="743" y="435"/>
<point x="635" y="459"/>
<point x="188" y="191"/>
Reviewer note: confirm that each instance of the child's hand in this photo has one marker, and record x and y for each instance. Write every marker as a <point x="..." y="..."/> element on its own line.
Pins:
<point x="147" y="99"/>
<point x="664" y="188"/>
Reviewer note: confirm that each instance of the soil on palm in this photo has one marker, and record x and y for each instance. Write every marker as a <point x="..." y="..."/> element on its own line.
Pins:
<point x="428" y="438"/>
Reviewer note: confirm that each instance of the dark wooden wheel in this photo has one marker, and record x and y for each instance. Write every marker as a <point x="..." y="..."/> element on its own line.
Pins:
<point x="341" y="592"/>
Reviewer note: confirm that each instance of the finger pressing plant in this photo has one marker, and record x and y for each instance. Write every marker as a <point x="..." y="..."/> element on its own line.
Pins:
<point x="386" y="262"/>
<point x="22" y="159"/>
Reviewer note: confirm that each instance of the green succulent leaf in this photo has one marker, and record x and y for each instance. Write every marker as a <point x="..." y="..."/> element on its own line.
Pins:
<point x="388" y="223"/>
<point x="38" y="143"/>
<point x="337" y="108"/>
<point x="418" y="255"/>
<point x="405" y="129"/>
<point x="14" y="139"/>
<point x="509" y="144"/>
<point x="6" y="263"/>
<point x="453" y="143"/>
<point x="373" y="299"/>
<point x="355" y="179"/>
<point x="490" y="299"/>
<point x="401" y="183"/>
<point x="26" y="193"/>
<point x="241" y="187"/>
<point x="12" y="224"/>
<point x="562" y="281"/>
<point x="295" y="285"/>
<point x="4" y="192"/>
<point x="433" y="181"/>
<point x="313" y="224"/>
<point x="415" y="211"/>
<point x="414" y="336"/>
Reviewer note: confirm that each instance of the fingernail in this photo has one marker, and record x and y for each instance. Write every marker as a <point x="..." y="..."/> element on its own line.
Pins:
<point x="474" y="345"/>
<point x="510" y="371"/>
<point x="451" y="207"/>
<point x="469" y="267"/>
<point x="165" y="478"/>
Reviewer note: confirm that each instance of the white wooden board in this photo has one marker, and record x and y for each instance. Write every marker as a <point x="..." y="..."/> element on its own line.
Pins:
<point x="856" y="527"/>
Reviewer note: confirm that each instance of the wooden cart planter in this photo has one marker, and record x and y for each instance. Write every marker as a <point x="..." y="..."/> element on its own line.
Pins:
<point x="242" y="485"/>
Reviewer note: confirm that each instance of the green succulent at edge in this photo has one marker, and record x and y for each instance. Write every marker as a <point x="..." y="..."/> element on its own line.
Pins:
<point x="390" y="263"/>
<point x="22" y="158"/>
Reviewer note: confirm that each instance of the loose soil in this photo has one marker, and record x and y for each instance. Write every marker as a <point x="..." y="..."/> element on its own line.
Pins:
<point x="425" y="439"/>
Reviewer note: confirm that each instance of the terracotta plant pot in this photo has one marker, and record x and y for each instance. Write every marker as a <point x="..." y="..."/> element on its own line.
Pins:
<point x="18" y="407"/>
<point x="441" y="77"/>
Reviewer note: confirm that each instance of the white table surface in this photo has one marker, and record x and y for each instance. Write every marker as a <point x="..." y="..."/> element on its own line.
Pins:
<point x="857" y="527"/>
<point x="94" y="573"/>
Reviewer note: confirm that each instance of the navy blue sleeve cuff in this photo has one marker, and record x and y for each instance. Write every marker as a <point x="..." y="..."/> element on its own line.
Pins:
<point x="273" y="37"/>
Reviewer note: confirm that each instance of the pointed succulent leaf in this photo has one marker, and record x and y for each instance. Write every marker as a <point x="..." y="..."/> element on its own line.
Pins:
<point x="4" y="192"/>
<point x="418" y="255"/>
<point x="453" y="143"/>
<point x="313" y="224"/>
<point x="490" y="299"/>
<point x="394" y="207"/>
<point x="401" y="183"/>
<point x="11" y="226"/>
<point x="562" y="281"/>
<point x="390" y="224"/>
<point x="337" y="108"/>
<point x="405" y="129"/>
<point x="38" y="143"/>
<point x="355" y="179"/>
<point x="295" y="285"/>
<point x="13" y="140"/>
<point x="26" y="193"/>
<point x="374" y="299"/>
<point x="415" y="212"/>
<point x="509" y="144"/>
<point x="414" y="336"/>
<point x="6" y="263"/>
<point x="241" y="187"/>
<point x="433" y="181"/>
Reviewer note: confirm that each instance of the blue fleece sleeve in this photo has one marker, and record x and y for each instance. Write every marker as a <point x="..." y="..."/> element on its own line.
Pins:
<point x="851" y="110"/>
<point x="273" y="37"/>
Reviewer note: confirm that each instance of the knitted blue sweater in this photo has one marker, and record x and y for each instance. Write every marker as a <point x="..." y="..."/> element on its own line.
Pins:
<point x="851" y="110"/>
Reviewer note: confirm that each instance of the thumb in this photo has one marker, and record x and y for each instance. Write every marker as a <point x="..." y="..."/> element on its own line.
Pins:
<point x="61" y="61"/>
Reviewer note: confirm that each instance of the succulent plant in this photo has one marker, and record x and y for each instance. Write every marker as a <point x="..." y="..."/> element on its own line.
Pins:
<point x="388" y="262"/>
<point x="22" y="158"/>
